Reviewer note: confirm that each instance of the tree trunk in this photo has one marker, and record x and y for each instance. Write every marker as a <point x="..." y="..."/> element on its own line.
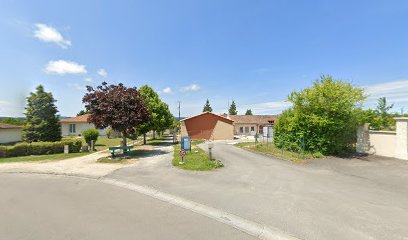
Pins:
<point x="154" y="134"/>
<point x="144" y="138"/>
<point x="124" y="143"/>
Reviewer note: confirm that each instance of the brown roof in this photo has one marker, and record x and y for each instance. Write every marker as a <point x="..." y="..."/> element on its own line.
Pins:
<point x="79" y="119"/>
<point x="8" y="126"/>
<point x="257" y="119"/>
<point x="220" y="116"/>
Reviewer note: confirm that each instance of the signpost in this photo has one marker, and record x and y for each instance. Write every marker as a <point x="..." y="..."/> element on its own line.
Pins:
<point x="182" y="155"/>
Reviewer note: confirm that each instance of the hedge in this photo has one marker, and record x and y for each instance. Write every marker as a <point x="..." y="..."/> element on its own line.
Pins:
<point x="40" y="148"/>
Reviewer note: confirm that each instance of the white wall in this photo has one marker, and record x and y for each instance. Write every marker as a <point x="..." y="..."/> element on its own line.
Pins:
<point x="382" y="143"/>
<point x="80" y="127"/>
<point x="10" y="135"/>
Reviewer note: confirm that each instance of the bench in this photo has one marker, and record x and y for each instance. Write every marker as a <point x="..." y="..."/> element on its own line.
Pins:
<point x="124" y="150"/>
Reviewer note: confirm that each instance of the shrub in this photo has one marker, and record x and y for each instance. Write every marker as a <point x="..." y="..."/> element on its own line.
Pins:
<point x="40" y="148"/>
<point x="109" y="132"/>
<point x="323" y="118"/>
<point x="90" y="135"/>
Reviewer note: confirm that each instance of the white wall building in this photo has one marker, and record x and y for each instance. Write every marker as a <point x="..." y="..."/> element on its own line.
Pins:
<point x="76" y="125"/>
<point x="10" y="133"/>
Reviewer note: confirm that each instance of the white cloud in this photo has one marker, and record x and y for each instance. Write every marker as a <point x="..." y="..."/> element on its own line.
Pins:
<point x="77" y="86"/>
<point x="168" y="90"/>
<point x="190" y="88"/>
<point x="88" y="79"/>
<point x="47" y="33"/>
<point x="266" y="107"/>
<point x="395" y="91"/>
<point x="62" y="67"/>
<point x="102" y="72"/>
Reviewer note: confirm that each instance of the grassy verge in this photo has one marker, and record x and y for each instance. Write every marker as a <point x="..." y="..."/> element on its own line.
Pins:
<point x="197" y="161"/>
<point x="51" y="157"/>
<point x="271" y="150"/>
<point x="104" y="142"/>
<point x="123" y="159"/>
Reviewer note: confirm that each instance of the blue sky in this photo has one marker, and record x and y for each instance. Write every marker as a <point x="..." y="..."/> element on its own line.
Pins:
<point x="253" y="51"/>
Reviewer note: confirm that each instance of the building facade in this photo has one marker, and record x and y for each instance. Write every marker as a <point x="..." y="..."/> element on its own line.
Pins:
<point x="76" y="125"/>
<point x="10" y="133"/>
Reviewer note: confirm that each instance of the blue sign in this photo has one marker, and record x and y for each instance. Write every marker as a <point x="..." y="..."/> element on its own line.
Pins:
<point x="185" y="143"/>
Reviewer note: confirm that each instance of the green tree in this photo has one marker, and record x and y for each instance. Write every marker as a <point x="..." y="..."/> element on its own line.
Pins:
<point x="13" y="121"/>
<point x="232" y="109"/>
<point x="42" y="123"/>
<point x="161" y="117"/>
<point x="323" y="118"/>
<point x="382" y="109"/>
<point x="82" y="112"/>
<point x="207" y="106"/>
<point x="248" y="112"/>
<point x="90" y="135"/>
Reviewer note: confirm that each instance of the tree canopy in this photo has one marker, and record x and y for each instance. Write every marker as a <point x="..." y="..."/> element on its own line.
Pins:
<point x="116" y="106"/>
<point x="323" y="118"/>
<point x="233" y="109"/>
<point x="248" y="112"/>
<point x="207" y="106"/>
<point x="42" y="122"/>
<point x="82" y="112"/>
<point x="161" y="117"/>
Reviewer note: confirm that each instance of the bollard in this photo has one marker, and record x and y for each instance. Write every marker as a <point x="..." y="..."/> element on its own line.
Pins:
<point x="66" y="149"/>
<point x="210" y="146"/>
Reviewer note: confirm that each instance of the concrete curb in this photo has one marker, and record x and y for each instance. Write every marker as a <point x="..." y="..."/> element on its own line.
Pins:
<point x="252" y="228"/>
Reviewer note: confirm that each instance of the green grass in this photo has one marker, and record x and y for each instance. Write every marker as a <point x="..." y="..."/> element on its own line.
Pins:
<point x="104" y="142"/>
<point x="271" y="150"/>
<point x="50" y="157"/>
<point x="124" y="159"/>
<point x="195" y="161"/>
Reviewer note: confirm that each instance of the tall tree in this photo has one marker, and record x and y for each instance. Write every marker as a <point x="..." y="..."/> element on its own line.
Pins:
<point x="42" y="122"/>
<point x="233" y="109"/>
<point x="207" y="106"/>
<point x="116" y="106"/>
<point x="248" y="112"/>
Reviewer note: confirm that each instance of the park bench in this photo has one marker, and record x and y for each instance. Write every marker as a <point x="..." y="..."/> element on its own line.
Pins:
<point x="124" y="150"/>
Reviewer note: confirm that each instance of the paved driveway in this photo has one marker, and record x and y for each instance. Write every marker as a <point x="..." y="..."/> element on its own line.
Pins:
<point x="317" y="200"/>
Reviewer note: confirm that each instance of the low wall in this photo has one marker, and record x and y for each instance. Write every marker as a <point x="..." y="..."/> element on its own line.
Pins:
<point x="384" y="143"/>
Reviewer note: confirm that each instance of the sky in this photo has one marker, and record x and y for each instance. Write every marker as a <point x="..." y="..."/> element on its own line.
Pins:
<point x="254" y="52"/>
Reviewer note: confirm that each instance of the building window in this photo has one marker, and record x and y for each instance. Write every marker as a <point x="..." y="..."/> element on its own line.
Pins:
<point x="252" y="129"/>
<point x="241" y="130"/>
<point x="72" y="128"/>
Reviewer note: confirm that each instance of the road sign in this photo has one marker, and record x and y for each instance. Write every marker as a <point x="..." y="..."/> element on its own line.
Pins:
<point x="183" y="153"/>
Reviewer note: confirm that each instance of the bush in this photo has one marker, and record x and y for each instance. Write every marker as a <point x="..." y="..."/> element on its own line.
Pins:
<point x="90" y="135"/>
<point x="323" y="118"/>
<point x="109" y="132"/>
<point x="40" y="148"/>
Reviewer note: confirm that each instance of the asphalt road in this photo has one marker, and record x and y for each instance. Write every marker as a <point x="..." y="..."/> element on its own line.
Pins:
<point x="36" y="206"/>
<point x="354" y="199"/>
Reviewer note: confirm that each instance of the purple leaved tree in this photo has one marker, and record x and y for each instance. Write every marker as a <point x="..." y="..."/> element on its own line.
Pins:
<point x="116" y="106"/>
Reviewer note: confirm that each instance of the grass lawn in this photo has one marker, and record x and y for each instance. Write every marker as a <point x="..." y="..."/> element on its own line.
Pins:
<point x="271" y="150"/>
<point x="59" y="156"/>
<point x="104" y="142"/>
<point x="195" y="161"/>
<point x="124" y="159"/>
